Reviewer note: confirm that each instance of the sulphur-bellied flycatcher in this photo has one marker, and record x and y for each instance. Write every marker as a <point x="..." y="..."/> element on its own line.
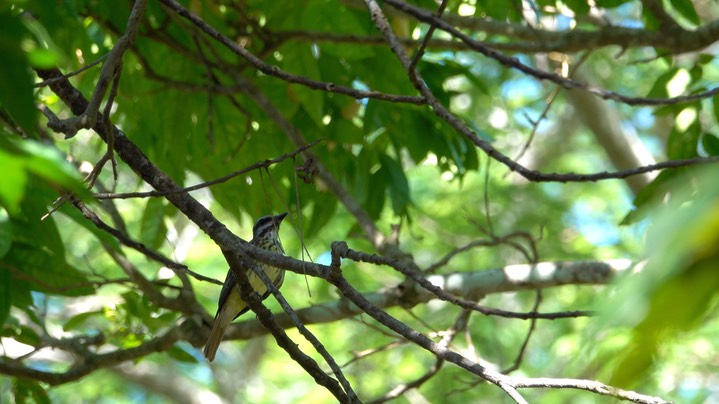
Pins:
<point x="231" y="305"/>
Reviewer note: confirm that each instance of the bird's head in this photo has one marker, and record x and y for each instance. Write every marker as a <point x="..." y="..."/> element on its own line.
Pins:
<point x="267" y="226"/>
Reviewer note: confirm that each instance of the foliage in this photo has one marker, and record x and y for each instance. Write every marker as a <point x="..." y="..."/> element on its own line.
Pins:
<point x="476" y="154"/>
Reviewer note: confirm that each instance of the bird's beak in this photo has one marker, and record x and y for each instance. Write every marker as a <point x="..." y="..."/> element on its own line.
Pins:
<point x="278" y="218"/>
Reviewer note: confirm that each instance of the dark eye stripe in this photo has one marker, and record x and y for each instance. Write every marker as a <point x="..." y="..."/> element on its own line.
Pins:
<point x="262" y="225"/>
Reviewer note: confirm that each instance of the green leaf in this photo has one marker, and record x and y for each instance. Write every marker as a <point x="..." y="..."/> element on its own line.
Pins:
<point x="77" y="321"/>
<point x="649" y="19"/>
<point x="43" y="58"/>
<point x="47" y="271"/>
<point x="683" y="144"/>
<point x="681" y="267"/>
<point x="152" y="225"/>
<point x="674" y="292"/>
<point x="134" y="305"/>
<point x="5" y="233"/>
<point x="37" y="254"/>
<point x="30" y="157"/>
<point x="580" y="7"/>
<point x="686" y="9"/>
<point x="29" y="391"/>
<point x="299" y="60"/>
<point x="5" y="295"/>
<point x="705" y="58"/>
<point x="101" y="235"/>
<point x="398" y="185"/>
<point x="376" y="186"/>
<point x="710" y="143"/>
<point x="322" y="212"/>
<point x="646" y="197"/>
<point x="49" y="164"/>
<point x="499" y="10"/>
<point x="16" y="89"/>
<point x="659" y="89"/>
<point x="28" y="336"/>
<point x="610" y="3"/>
<point x="335" y="17"/>
<point x="12" y="187"/>
<point x="181" y="355"/>
<point x="139" y="307"/>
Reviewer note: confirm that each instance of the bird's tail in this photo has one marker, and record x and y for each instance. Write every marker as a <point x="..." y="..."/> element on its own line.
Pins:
<point x="213" y="342"/>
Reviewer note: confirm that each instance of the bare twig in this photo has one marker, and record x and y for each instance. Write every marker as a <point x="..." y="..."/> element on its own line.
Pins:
<point x="418" y="55"/>
<point x="527" y="337"/>
<point x="225" y="178"/>
<point x="127" y="241"/>
<point x="588" y="385"/>
<point x="75" y="73"/>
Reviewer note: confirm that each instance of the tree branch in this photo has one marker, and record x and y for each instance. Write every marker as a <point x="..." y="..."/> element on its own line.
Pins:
<point x="523" y="38"/>
<point x="442" y="112"/>
<point x="88" y="118"/>
<point x="514" y="63"/>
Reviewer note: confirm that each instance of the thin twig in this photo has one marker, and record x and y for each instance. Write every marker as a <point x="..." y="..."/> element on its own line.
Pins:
<point x="75" y="73"/>
<point x="225" y="178"/>
<point x="418" y="55"/>
<point x="128" y="242"/>
<point x="527" y="337"/>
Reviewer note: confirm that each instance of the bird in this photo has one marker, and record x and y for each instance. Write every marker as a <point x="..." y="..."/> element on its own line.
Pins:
<point x="230" y="305"/>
